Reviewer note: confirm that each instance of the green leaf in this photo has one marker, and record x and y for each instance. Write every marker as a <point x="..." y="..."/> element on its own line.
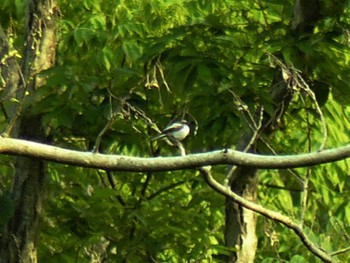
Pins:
<point x="83" y="35"/>
<point x="298" y="259"/>
<point x="132" y="50"/>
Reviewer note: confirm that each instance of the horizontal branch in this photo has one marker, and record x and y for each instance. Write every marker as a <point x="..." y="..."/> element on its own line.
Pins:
<point x="141" y="164"/>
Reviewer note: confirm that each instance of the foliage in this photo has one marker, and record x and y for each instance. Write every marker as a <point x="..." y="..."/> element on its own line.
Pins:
<point x="143" y="63"/>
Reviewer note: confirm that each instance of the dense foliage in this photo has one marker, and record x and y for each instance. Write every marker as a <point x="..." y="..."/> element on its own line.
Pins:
<point x="131" y="66"/>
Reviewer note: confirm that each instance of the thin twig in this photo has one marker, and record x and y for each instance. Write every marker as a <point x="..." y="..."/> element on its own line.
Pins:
<point x="160" y="69"/>
<point x="109" y="123"/>
<point x="305" y="193"/>
<point x="165" y="189"/>
<point x="256" y="129"/>
<point x="320" y="113"/>
<point x="341" y="251"/>
<point x="296" y="82"/>
<point x="262" y="139"/>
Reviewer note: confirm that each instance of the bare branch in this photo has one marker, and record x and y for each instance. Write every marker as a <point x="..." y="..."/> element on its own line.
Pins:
<point x="288" y="222"/>
<point x="341" y="251"/>
<point x="296" y="82"/>
<point x="165" y="189"/>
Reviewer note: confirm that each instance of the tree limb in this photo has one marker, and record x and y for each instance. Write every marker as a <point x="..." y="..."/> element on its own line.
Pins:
<point x="288" y="222"/>
<point x="150" y="164"/>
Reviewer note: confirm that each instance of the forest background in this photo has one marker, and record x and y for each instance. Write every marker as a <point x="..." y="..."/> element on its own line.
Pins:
<point x="101" y="76"/>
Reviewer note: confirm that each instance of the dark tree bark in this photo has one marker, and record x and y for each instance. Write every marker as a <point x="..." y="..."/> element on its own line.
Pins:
<point x="305" y="15"/>
<point x="19" y="240"/>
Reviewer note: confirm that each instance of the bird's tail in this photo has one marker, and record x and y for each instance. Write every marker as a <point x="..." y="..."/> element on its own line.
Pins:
<point x="157" y="137"/>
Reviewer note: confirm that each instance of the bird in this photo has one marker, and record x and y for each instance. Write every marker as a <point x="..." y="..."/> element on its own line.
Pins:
<point x="175" y="131"/>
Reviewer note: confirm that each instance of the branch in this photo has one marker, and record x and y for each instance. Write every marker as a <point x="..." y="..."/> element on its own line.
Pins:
<point x="165" y="189"/>
<point x="150" y="164"/>
<point x="288" y="222"/>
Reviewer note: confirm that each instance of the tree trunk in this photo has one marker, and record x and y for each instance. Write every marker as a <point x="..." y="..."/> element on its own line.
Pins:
<point x="240" y="228"/>
<point x="241" y="222"/>
<point x="19" y="240"/>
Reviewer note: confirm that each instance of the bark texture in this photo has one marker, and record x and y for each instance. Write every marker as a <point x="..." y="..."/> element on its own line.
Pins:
<point x="19" y="240"/>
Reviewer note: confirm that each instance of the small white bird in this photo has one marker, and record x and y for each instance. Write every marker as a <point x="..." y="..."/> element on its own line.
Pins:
<point x="175" y="131"/>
